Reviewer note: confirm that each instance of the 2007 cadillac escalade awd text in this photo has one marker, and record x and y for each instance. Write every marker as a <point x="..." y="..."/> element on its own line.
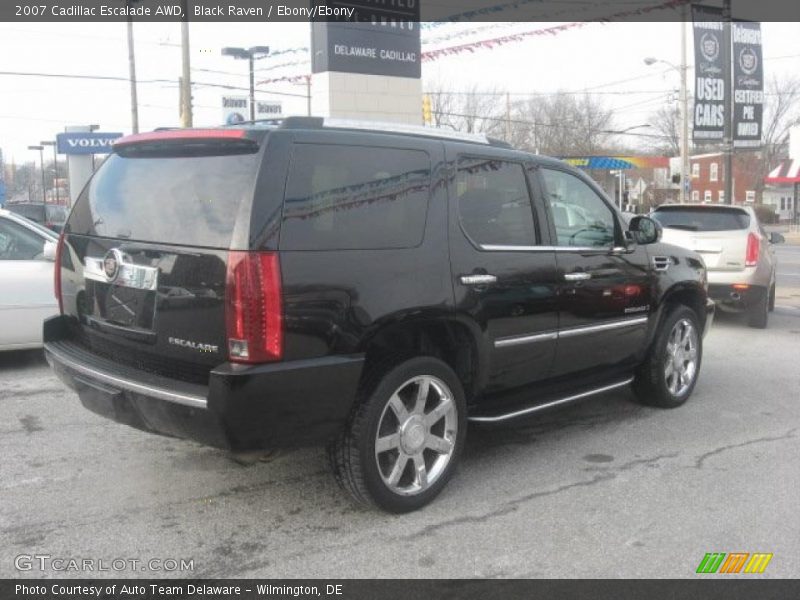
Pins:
<point x="372" y="289"/>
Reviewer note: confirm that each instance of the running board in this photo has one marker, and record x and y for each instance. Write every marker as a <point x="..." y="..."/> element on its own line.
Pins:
<point x="548" y="405"/>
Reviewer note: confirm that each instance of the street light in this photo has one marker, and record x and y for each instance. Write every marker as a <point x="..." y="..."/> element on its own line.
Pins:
<point x="249" y="54"/>
<point x="55" y="167"/>
<point x="684" y="111"/>
<point x="41" y="163"/>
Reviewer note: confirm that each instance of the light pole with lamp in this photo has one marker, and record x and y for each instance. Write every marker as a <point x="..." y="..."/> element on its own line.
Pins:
<point x="55" y="168"/>
<point x="684" y="112"/>
<point x="41" y="164"/>
<point x="251" y="55"/>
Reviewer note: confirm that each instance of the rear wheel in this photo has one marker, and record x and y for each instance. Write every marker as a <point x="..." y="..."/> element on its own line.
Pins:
<point x="405" y="436"/>
<point x="667" y="377"/>
<point x="758" y="313"/>
<point x="772" y="298"/>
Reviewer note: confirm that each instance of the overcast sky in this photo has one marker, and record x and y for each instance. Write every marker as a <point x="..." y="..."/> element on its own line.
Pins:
<point x="605" y="58"/>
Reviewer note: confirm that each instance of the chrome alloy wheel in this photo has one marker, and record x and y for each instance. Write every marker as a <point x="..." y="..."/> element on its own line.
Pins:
<point x="680" y="361"/>
<point x="416" y="435"/>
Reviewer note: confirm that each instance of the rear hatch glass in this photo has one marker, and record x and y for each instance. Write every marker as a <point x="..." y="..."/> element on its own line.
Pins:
<point x="702" y="218"/>
<point x="174" y="198"/>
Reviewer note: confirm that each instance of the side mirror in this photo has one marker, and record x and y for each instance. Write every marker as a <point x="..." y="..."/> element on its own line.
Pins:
<point x="49" y="251"/>
<point x="645" y="230"/>
<point x="776" y="238"/>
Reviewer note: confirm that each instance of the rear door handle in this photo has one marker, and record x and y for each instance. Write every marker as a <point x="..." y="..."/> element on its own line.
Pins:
<point x="477" y="279"/>
<point x="581" y="276"/>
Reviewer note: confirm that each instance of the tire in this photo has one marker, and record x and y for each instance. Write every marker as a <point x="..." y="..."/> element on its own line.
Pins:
<point x="758" y="314"/>
<point x="417" y="438"/>
<point x="772" y="298"/>
<point x="665" y="384"/>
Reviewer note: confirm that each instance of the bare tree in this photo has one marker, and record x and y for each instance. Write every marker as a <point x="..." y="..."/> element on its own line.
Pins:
<point x="472" y="110"/>
<point x="562" y="124"/>
<point x="666" y="123"/>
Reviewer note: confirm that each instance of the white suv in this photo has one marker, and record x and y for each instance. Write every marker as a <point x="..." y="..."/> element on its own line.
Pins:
<point x="737" y="251"/>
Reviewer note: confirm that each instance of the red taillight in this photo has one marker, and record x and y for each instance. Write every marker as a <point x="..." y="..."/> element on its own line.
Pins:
<point x="57" y="274"/>
<point x="254" y="307"/>
<point x="751" y="257"/>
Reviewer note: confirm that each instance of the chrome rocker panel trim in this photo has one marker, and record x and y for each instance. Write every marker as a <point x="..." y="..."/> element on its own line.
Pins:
<point x="540" y="407"/>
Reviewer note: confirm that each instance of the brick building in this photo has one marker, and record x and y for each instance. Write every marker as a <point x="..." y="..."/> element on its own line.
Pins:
<point x="708" y="177"/>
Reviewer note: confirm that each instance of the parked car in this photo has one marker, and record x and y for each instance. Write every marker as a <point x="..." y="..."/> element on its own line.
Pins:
<point x="372" y="288"/>
<point x="51" y="216"/>
<point x="737" y="251"/>
<point x="27" y="251"/>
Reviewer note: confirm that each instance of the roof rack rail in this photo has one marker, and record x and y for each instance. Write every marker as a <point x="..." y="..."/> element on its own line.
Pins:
<point x="388" y="127"/>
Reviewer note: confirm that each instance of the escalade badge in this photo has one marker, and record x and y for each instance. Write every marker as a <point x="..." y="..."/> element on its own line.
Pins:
<point x="111" y="263"/>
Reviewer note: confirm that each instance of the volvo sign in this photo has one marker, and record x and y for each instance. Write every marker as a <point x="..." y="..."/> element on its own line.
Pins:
<point x="89" y="142"/>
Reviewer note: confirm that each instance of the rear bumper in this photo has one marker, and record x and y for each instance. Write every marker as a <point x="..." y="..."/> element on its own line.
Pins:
<point x="293" y="403"/>
<point x="736" y="298"/>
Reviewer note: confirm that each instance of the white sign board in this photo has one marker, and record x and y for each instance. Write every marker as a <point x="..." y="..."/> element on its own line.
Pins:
<point x="268" y="109"/>
<point x="235" y="109"/>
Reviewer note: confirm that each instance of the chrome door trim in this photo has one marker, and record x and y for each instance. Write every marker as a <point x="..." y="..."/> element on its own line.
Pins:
<point x="123" y="383"/>
<point x="477" y="279"/>
<point x="602" y="327"/>
<point x="502" y="248"/>
<point x="540" y="407"/>
<point x="527" y="338"/>
<point x="517" y="340"/>
<point x="580" y="276"/>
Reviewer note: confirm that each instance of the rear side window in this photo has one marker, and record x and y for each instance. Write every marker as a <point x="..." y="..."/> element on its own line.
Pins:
<point x="29" y="211"/>
<point x="702" y="218"/>
<point x="191" y="200"/>
<point x="493" y="202"/>
<point x="355" y="197"/>
<point x="56" y="213"/>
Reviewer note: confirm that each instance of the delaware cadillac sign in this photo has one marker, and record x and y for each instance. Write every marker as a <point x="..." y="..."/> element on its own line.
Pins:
<point x="94" y="142"/>
<point x="379" y="38"/>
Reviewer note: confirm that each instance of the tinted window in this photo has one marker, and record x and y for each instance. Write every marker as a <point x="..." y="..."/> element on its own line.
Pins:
<point x="701" y="218"/>
<point x="189" y="200"/>
<point x="19" y="243"/>
<point x="33" y="212"/>
<point x="350" y="197"/>
<point x="580" y="215"/>
<point x="493" y="202"/>
<point x="56" y="213"/>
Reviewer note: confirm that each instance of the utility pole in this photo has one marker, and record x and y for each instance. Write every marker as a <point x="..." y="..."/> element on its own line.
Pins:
<point x="41" y="165"/>
<point x="308" y="93"/>
<point x="508" y="116"/>
<point x="132" y="71"/>
<point x="186" y="79"/>
<point x="684" y="114"/>
<point x="727" y="135"/>
<point x="55" y="167"/>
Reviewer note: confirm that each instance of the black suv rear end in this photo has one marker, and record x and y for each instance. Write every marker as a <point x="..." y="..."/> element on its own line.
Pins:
<point x="373" y="290"/>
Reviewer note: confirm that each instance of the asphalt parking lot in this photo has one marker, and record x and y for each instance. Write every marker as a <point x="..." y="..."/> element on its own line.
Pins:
<point x="603" y="489"/>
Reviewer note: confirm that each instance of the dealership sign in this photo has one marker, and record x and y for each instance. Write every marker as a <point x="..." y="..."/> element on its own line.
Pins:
<point x="747" y="79"/>
<point x="268" y="110"/>
<point x="379" y="39"/>
<point x="748" y="84"/>
<point x="89" y="142"/>
<point x="235" y="109"/>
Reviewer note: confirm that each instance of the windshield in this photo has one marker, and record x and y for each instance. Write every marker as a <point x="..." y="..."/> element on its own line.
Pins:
<point x="702" y="218"/>
<point x="192" y="200"/>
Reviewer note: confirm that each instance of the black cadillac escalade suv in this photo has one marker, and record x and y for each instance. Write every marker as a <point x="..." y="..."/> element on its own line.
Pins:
<point x="374" y="289"/>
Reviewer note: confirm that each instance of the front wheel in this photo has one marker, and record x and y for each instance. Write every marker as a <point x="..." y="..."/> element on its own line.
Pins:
<point x="405" y="436"/>
<point x="667" y="377"/>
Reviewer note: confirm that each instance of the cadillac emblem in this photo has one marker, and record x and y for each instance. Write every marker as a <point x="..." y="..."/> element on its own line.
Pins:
<point x="111" y="263"/>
